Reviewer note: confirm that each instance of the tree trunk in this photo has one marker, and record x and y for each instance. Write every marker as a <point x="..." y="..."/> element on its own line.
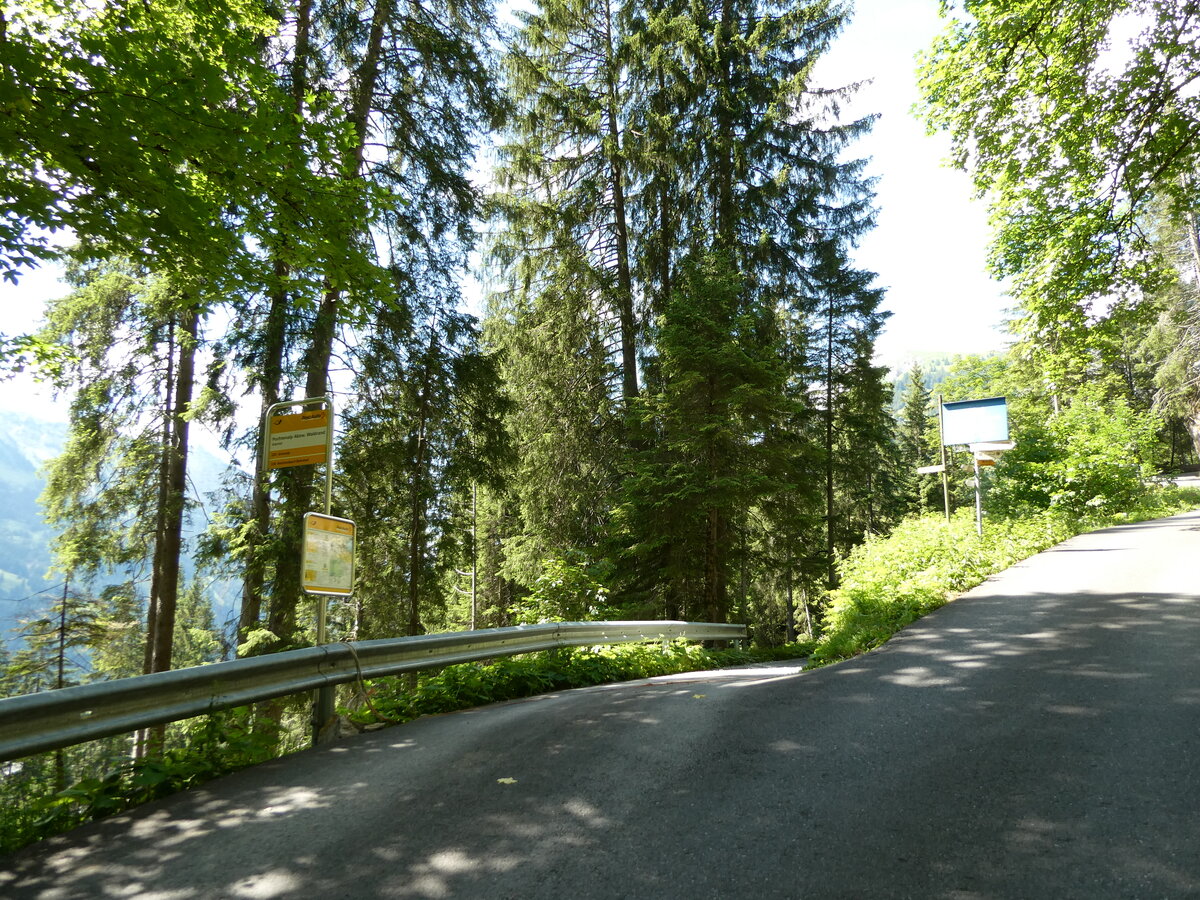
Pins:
<point x="299" y="486"/>
<point x="275" y="343"/>
<point x="474" y="554"/>
<point x="715" y="528"/>
<point x="629" y="378"/>
<point x="164" y="629"/>
<point x="164" y="490"/>
<point x="296" y="484"/>
<point x="1193" y="426"/>
<point x="808" y="623"/>
<point x="60" y="759"/>
<point x="272" y="376"/>
<point x="830" y="575"/>
<point x="416" y="512"/>
<point x="664" y="214"/>
<point x="726" y="216"/>
<point x="1193" y="233"/>
<point x="790" y="618"/>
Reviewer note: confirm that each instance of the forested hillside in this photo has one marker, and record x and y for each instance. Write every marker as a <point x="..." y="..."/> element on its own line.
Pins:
<point x="670" y="406"/>
<point x="933" y="367"/>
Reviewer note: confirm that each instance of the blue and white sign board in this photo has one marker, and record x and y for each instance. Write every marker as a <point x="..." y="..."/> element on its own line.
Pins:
<point x="975" y="421"/>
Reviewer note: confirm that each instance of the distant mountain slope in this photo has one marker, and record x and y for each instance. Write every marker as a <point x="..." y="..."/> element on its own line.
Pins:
<point x="26" y="444"/>
<point x="935" y="365"/>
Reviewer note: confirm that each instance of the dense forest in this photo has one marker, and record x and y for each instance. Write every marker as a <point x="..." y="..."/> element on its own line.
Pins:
<point x="670" y="407"/>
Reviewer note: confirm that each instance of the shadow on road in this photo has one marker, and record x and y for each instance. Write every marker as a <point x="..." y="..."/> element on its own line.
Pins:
<point x="1044" y="746"/>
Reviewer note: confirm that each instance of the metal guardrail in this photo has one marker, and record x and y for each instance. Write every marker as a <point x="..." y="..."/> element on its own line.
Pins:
<point x="34" y="723"/>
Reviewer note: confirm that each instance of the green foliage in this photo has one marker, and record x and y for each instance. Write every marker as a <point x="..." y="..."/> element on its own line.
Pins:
<point x="570" y="589"/>
<point x="1093" y="456"/>
<point x="197" y="639"/>
<point x="136" y="125"/>
<point x="1077" y="121"/>
<point x="202" y="749"/>
<point x="426" y="426"/>
<point x="46" y="359"/>
<point x="719" y="384"/>
<point x="662" y="186"/>
<point x="890" y="582"/>
<point x="1082" y="451"/>
<point x="1070" y="139"/>
<point x="934" y="369"/>
<point x="917" y="444"/>
<point x="120" y="650"/>
<point x="54" y="647"/>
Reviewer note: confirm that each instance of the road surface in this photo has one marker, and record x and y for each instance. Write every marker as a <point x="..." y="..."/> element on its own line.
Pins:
<point x="1038" y="737"/>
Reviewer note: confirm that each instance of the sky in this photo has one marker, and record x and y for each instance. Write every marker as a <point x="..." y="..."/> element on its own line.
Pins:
<point x="928" y="249"/>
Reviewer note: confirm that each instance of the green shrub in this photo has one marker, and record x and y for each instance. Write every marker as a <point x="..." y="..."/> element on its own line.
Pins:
<point x="570" y="588"/>
<point x="208" y="746"/>
<point x="1091" y="457"/>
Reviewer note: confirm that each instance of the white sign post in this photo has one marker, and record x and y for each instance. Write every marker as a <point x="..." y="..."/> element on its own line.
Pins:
<point x="983" y="426"/>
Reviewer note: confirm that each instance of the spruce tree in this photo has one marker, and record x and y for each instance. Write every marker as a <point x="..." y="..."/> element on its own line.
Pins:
<point x="426" y="427"/>
<point x="917" y="443"/>
<point x="565" y="171"/>
<point x="736" y="182"/>
<point x="392" y="97"/>
<point x="118" y="492"/>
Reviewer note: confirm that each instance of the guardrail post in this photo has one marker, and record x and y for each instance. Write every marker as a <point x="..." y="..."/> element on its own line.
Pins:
<point x="324" y="717"/>
<point x="324" y="720"/>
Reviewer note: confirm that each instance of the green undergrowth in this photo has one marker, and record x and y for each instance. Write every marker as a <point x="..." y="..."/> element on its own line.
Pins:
<point x="32" y="809"/>
<point x="890" y="582"/>
<point x="477" y="684"/>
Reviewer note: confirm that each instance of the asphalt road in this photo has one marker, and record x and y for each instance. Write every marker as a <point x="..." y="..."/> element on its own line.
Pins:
<point x="1038" y="737"/>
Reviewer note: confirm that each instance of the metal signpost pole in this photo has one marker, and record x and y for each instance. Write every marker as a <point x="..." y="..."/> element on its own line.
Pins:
<point x="978" y="500"/>
<point x="982" y="426"/>
<point x="942" y="442"/>
<point x="324" y="710"/>
<point x="290" y="442"/>
<point x="328" y="566"/>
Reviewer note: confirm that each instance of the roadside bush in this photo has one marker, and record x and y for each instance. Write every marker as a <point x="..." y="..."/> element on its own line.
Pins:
<point x="198" y="750"/>
<point x="1094" y="456"/>
<point x="570" y="588"/>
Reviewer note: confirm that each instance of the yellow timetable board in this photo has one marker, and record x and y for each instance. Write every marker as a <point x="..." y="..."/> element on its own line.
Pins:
<point x="327" y="562"/>
<point x="298" y="439"/>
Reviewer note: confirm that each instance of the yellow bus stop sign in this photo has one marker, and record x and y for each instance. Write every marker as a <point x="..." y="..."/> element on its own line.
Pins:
<point x="327" y="562"/>
<point x="298" y="439"/>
